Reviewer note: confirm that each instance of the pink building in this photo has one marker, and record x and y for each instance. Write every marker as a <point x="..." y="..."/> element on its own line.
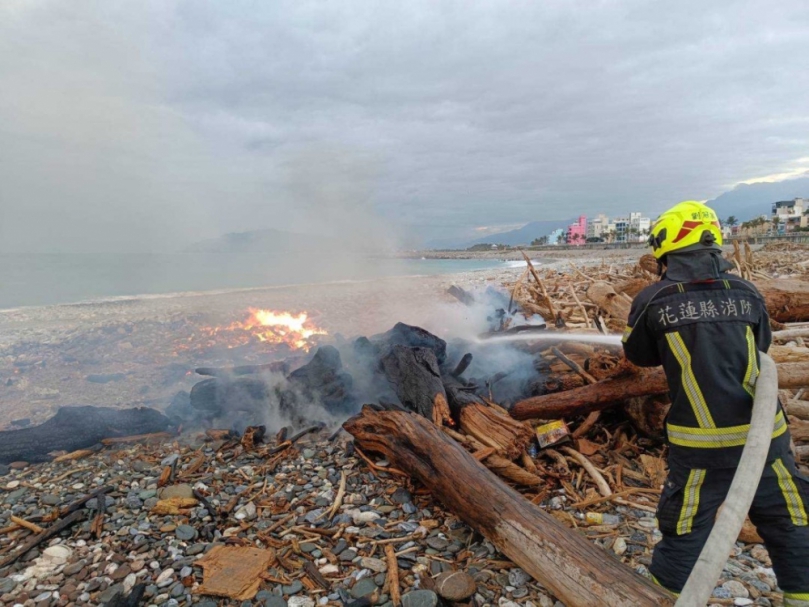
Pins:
<point x="577" y="232"/>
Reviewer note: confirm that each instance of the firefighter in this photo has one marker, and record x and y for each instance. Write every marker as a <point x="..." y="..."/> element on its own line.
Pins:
<point x="706" y="327"/>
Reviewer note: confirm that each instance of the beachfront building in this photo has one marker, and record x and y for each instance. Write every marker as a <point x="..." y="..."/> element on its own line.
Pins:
<point x="788" y="215"/>
<point x="577" y="232"/>
<point x="598" y="226"/>
<point x="621" y="229"/>
<point x="639" y="227"/>
<point x="556" y="237"/>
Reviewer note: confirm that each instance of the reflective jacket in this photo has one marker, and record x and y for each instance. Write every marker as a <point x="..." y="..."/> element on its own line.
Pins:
<point x="707" y="336"/>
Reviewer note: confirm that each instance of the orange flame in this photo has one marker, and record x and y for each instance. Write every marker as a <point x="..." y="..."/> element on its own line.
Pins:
<point x="269" y="326"/>
<point x="281" y="327"/>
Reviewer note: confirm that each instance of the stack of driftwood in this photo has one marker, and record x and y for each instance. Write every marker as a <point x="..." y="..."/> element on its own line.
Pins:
<point x="618" y="461"/>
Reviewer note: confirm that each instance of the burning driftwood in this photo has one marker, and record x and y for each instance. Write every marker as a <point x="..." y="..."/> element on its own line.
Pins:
<point x="576" y="571"/>
<point x="74" y="428"/>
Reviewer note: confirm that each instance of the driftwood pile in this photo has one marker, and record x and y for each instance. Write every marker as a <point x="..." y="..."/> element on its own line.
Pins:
<point x="617" y="461"/>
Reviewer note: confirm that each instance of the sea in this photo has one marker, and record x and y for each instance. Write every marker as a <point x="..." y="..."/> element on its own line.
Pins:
<point x="38" y="280"/>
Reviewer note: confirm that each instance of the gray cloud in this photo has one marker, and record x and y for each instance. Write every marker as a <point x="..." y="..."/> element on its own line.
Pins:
<point x="151" y="125"/>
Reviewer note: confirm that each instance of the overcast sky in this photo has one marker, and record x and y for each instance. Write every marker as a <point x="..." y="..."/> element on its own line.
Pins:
<point x="151" y="124"/>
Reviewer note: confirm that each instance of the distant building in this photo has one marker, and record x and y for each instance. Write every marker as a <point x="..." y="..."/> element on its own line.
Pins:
<point x="598" y="226"/>
<point x="621" y="229"/>
<point x="556" y="237"/>
<point x="639" y="227"/>
<point x="577" y="232"/>
<point x="787" y="215"/>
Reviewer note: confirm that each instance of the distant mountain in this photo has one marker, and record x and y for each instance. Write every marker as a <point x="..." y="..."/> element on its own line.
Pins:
<point x="749" y="201"/>
<point x="520" y="236"/>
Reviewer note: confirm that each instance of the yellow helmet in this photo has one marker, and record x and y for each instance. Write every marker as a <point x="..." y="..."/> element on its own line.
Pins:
<point x="689" y="225"/>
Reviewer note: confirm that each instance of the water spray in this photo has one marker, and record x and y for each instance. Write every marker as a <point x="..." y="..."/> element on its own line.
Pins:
<point x="593" y="338"/>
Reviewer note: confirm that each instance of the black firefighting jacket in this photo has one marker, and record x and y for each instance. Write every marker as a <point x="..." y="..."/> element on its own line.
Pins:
<point x="707" y="335"/>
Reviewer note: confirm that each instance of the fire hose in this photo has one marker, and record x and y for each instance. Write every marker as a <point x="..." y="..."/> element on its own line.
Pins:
<point x="742" y="490"/>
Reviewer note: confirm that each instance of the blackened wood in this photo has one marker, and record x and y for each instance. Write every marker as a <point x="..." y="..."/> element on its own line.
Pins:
<point x="415" y="377"/>
<point x="74" y="428"/>
<point x="462" y="365"/>
<point x="415" y="337"/>
<point x="578" y="572"/>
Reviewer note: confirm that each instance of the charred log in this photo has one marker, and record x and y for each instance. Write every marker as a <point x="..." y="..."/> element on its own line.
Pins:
<point x="416" y="379"/>
<point x="323" y="380"/>
<point x="414" y="337"/>
<point x="74" y="428"/>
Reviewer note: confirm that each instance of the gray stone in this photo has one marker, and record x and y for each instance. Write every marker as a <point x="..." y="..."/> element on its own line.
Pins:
<point x="308" y="547"/>
<point x="177" y="590"/>
<point x="348" y="555"/>
<point x="7" y="585"/>
<point x="341" y="545"/>
<point x="195" y="549"/>
<point x="420" y="598"/>
<point x="294" y="588"/>
<point x="51" y="500"/>
<point x="4" y="469"/>
<point x="365" y="587"/>
<point x="456" y="586"/>
<point x="736" y="589"/>
<point x="401" y="496"/>
<point x="517" y="577"/>
<point x="437" y="543"/>
<point x="375" y="565"/>
<point x="109" y="593"/>
<point x="182" y="490"/>
<point x="170" y="459"/>
<point x="74" y="568"/>
<point x="12" y="497"/>
<point x="271" y="600"/>
<point x="185" y="533"/>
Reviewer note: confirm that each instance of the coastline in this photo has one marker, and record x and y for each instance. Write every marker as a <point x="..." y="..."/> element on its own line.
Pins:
<point x="150" y="344"/>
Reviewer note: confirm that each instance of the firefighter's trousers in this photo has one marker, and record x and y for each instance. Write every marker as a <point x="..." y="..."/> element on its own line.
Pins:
<point x="688" y="508"/>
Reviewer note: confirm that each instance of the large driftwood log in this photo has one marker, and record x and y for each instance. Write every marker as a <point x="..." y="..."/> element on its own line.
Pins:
<point x="74" y="428"/>
<point x="594" y="397"/>
<point x="563" y="561"/>
<point x="787" y="300"/>
<point x="605" y="297"/>
<point x="416" y="379"/>
<point x="610" y="392"/>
